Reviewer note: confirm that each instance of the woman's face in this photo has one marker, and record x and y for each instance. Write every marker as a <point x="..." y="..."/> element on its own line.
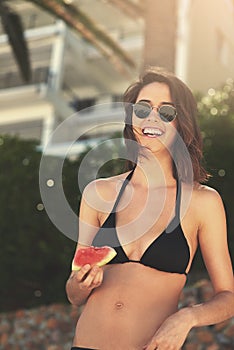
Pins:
<point x="152" y="132"/>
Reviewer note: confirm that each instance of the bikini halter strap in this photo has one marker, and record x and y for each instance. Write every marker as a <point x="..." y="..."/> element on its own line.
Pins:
<point x="126" y="181"/>
<point x="128" y="178"/>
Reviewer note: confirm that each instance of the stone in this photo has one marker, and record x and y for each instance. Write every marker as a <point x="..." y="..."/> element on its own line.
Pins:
<point x="205" y="336"/>
<point x="4" y="339"/>
<point x="54" y="347"/>
<point x="192" y="346"/>
<point x="229" y="331"/>
<point x="221" y="325"/>
<point x="19" y="313"/>
<point x="52" y="323"/>
<point x="213" y="346"/>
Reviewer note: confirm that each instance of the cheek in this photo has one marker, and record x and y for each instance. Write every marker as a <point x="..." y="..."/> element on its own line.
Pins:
<point x="135" y="121"/>
<point x="174" y="123"/>
<point x="137" y="133"/>
<point x="173" y="126"/>
<point x="136" y="124"/>
<point x="171" y="133"/>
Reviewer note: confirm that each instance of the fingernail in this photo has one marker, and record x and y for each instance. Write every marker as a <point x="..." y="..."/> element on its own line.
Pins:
<point x="87" y="267"/>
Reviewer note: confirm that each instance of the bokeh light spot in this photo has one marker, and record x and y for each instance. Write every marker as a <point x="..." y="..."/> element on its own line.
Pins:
<point x="222" y="172"/>
<point x="214" y="111"/>
<point x="37" y="293"/>
<point x="40" y="206"/>
<point x="211" y="92"/>
<point x="50" y="183"/>
<point x="25" y="161"/>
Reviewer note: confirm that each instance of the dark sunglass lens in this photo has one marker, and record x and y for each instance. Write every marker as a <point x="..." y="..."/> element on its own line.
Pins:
<point x="142" y="110"/>
<point x="167" y="113"/>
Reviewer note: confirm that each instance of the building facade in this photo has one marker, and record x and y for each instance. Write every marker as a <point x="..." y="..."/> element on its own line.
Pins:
<point x="69" y="75"/>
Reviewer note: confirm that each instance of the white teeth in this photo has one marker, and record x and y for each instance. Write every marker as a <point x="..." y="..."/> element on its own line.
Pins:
<point x="152" y="131"/>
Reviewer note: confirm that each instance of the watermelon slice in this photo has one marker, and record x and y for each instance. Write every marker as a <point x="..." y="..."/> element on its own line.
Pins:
<point x="93" y="256"/>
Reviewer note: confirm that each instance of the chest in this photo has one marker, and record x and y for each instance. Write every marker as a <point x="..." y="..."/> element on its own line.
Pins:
<point x="142" y="218"/>
<point x="148" y="212"/>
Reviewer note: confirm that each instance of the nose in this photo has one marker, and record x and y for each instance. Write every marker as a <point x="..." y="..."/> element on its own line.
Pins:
<point x="153" y="116"/>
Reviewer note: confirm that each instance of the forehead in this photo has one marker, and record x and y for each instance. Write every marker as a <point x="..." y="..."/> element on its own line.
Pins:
<point x="155" y="92"/>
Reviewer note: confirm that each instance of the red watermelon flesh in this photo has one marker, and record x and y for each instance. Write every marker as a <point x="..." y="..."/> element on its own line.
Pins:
<point x="93" y="256"/>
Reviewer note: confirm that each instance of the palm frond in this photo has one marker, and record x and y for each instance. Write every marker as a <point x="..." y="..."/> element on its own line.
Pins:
<point x="14" y="29"/>
<point x="83" y="24"/>
<point x="131" y="9"/>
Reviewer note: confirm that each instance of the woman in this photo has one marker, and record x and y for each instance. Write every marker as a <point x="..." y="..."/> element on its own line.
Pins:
<point x="154" y="216"/>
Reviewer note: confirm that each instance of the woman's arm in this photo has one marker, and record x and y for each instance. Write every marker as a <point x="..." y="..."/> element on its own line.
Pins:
<point x="81" y="283"/>
<point x="212" y="237"/>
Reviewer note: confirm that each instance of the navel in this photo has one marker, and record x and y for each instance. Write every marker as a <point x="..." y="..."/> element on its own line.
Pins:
<point x="119" y="305"/>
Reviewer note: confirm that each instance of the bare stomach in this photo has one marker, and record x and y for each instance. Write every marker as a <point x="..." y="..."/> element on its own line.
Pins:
<point x="128" y="308"/>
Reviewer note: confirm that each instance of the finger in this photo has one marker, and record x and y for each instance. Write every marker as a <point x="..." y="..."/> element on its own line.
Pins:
<point x="98" y="278"/>
<point x="88" y="280"/>
<point x="81" y="274"/>
<point x="151" y="346"/>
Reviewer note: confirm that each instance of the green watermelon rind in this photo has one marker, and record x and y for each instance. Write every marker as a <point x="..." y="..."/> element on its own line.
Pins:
<point x="110" y="255"/>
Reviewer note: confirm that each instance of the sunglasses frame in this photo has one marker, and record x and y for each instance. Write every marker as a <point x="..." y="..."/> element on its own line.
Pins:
<point x="146" y="104"/>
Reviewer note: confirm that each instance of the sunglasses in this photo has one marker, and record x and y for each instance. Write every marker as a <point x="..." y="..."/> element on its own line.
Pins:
<point x="166" y="112"/>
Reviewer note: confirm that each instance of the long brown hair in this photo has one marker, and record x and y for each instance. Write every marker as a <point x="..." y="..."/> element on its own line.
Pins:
<point x="187" y="126"/>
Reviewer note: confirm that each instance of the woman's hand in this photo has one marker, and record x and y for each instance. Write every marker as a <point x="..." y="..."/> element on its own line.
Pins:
<point x="82" y="282"/>
<point x="172" y="333"/>
<point x="89" y="277"/>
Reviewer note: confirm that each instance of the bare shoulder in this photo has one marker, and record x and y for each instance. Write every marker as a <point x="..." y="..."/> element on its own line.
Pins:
<point x="101" y="193"/>
<point x="206" y="195"/>
<point x="201" y="202"/>
<point x="207" y="201"/>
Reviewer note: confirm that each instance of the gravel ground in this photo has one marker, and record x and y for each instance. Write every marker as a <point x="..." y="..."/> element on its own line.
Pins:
<point x="52" y="327"/>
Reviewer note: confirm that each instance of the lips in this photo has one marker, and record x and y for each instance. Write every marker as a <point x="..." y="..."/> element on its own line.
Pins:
<point x="152" y="132"/>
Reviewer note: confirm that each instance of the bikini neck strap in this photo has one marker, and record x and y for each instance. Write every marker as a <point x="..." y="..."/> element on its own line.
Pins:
<point x="126" y="181"/>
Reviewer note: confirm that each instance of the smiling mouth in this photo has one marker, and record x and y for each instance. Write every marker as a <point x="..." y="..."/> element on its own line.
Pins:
<point x="152" y="132"/>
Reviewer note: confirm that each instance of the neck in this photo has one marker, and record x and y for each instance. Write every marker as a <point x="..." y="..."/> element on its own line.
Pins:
<point x="154" y="170"/>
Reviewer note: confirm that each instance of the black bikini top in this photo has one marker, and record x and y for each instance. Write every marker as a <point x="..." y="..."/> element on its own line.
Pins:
<point x="169" y="251"/>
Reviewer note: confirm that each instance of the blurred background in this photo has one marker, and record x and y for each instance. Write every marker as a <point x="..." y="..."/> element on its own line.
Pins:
<point x="58" y="57"/>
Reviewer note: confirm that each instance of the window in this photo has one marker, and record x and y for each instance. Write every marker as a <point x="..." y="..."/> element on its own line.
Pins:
<point x="80" y="104"/>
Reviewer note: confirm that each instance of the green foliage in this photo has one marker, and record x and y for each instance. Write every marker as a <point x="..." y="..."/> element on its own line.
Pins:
<point x="216" y="115"/>
<point x="35" y="258"/>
